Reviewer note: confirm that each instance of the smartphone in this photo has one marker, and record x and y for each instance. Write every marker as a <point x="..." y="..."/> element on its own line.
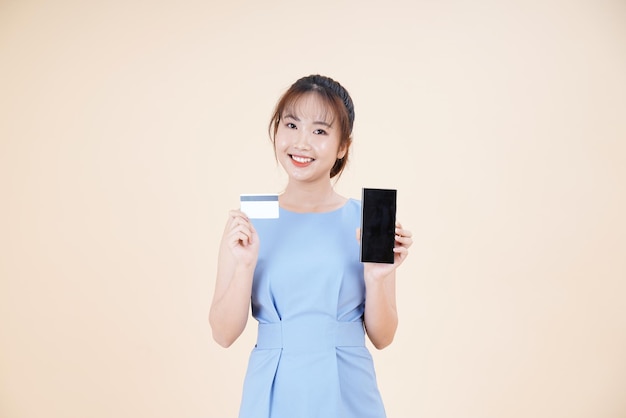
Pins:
<point x="378" y="225"/>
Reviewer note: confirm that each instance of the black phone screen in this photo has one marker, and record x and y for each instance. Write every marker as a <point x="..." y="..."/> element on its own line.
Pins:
<point x="378" y="224"/>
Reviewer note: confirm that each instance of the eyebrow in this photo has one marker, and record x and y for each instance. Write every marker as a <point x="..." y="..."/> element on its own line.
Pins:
<point x="317" y="122"/>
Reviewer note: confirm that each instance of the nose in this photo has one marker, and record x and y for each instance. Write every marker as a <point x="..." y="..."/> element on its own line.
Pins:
<point x="301" y="141"/>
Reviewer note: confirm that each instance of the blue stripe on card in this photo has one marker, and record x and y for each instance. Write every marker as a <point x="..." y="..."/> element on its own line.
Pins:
<point x="258" y="198"/>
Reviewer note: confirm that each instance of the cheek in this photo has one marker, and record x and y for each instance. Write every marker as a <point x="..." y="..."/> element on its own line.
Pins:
<point x="279" y="141"/>
<point x="281" y="148"/>
<point x="326" y="148"/>
<point x="332" y="147"/>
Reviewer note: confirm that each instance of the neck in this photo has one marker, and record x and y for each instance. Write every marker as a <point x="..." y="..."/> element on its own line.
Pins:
<point x="320" y="197"/>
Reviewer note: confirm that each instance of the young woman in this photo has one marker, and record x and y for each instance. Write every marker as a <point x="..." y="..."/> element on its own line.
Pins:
<point x="314" y="300"/>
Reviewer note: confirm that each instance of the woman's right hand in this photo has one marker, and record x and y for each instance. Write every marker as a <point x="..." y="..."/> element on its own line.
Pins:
<point x="241" y="239"/>
<point x="237" y="259"/>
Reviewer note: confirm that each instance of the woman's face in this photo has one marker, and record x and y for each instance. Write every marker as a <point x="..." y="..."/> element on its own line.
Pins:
<point x="307" y="140"/>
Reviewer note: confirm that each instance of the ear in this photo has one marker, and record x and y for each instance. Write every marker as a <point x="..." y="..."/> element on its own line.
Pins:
<point x="343" y="150"/>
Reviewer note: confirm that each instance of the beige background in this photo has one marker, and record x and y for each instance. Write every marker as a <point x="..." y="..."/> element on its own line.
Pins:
<point x="128" y="129"/>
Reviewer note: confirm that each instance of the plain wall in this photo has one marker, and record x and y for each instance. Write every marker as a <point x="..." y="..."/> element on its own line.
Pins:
<point x="129" y="128"/>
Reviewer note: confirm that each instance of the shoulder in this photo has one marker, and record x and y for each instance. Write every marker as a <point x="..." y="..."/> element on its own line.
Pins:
<point x="353" y="204"/>
<point x="352" y="208"/>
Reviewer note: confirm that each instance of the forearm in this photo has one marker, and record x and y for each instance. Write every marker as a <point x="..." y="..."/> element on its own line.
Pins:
<point x="381" y="317"/>
<point x="231" y="306"/>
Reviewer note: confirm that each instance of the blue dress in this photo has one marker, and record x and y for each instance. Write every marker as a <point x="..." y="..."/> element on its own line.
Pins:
<point x="308" y="295"/>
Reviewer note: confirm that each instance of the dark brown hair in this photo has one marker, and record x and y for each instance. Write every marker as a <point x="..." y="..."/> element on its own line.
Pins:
<point x="334" y="96"/>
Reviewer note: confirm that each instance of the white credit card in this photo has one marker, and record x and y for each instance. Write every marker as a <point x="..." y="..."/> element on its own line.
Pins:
<point x="259" y="206"/>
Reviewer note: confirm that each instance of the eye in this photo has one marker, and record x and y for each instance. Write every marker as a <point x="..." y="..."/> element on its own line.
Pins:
<point x="290" y="125"/>
<point x="319" y="132"/>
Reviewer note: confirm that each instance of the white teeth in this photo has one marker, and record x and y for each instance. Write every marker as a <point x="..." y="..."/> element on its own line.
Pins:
<point x="302" y="159"/>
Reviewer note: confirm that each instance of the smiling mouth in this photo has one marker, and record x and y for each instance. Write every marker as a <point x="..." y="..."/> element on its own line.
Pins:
<point x="301" y="160"/>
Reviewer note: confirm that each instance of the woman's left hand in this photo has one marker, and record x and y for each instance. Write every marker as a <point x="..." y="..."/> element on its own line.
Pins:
<point x="378" y="271"/>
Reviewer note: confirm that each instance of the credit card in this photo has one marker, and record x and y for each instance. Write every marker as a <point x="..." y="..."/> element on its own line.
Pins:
<point x="259" y="206"/>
